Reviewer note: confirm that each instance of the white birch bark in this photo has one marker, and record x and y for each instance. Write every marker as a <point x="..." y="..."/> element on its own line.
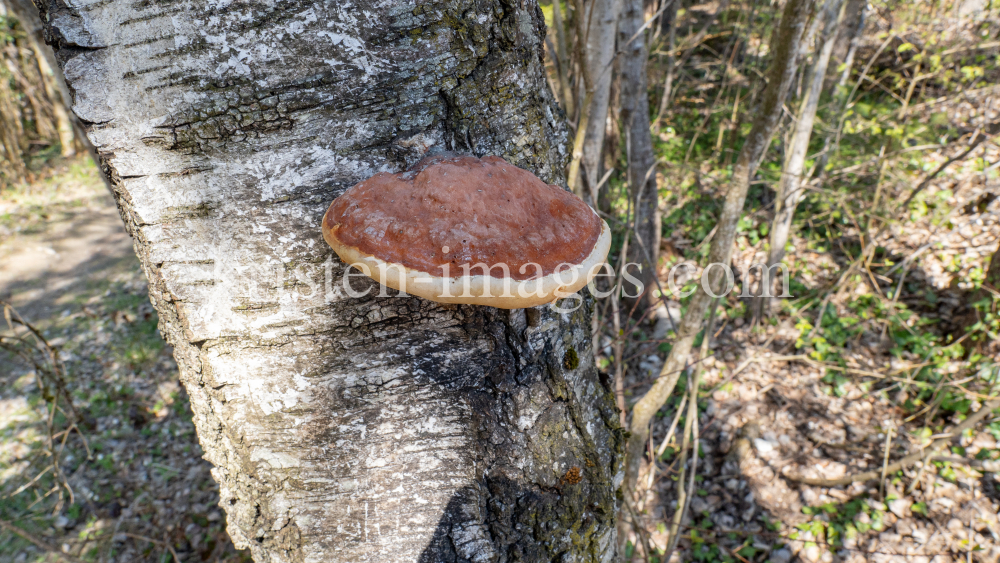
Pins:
<point x="669" y="22"/>
<point x="641" y="158"/>
<point x="600" y="28"/>
<point x="847" y="36"/>
<point x="344" y="429"/>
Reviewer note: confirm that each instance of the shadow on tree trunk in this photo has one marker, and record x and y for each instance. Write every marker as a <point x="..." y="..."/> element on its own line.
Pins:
<point x="509" y="507"/>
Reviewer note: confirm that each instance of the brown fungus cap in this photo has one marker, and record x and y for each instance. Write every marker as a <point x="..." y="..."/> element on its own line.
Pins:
<point x="434" y="230"/>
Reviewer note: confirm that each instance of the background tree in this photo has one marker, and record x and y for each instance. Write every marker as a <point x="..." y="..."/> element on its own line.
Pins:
<point x="370" y="429"/>
<point x="642" y="175"/>
<point x="596" y="25"/>
<point x="33" y="96"/>
<point x="793" y="175"/>
<point x="50" y="76"/>
<point x="785" y="43"/>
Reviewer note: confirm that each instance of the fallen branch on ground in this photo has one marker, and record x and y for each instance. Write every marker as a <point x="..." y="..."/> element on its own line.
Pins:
<point x="906" y="461"/>
<point x="977" y="139"/>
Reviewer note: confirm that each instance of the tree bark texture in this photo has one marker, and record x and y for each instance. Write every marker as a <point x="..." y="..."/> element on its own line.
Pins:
<point x="790" y="187"/>
<point x="785" y="47"/>
<point x="847" y="34"/>
<point x="669" y="23"/>
<point x="852" y="25"/>
<point x="641" y="159"/>
<point x="599" y="26"/>
<point x="345" y="429"/>
<point x="562" y="59"/>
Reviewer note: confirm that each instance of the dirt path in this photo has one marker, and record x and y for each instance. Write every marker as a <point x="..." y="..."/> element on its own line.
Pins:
<point x="132" y="485"/>
<point x="60" y="241"/>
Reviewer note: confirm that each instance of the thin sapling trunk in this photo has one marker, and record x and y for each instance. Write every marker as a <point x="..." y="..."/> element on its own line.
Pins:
<point x="785" y="46"/>
<point x="790" y="186"/>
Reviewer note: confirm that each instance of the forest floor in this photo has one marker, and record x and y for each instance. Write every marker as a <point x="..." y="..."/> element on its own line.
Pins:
<point x="132" y="469"/>
<point x="894" y="361"/>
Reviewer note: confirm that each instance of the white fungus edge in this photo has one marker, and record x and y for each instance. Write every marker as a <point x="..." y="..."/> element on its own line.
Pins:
<point x="481" y="290"/>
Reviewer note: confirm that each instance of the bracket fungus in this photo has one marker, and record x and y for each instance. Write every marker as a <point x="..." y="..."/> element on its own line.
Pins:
<point x="459" y="229"/>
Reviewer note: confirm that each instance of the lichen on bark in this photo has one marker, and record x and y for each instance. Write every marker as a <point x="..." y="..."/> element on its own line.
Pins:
<point x="341" y="429"/>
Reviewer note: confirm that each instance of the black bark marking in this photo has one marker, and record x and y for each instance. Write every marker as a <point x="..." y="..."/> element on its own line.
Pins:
<point x="523" y="510"/>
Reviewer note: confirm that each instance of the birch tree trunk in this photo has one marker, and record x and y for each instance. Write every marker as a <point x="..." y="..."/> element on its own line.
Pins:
<point x="641" y="159"/>
<point x="790" y="186"/>
<point x="599" y="25"/>
<point x="851" y="27"/>
<point x="345" y="429"/>
<point x="562" y="60"/>
<point x="669" y="23"/>
<point x="847" y="35"/>
<point x="785" y="46"/>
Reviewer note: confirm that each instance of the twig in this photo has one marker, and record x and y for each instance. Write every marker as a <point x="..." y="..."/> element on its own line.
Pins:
<point x="157" y="542"/>
<point x="673" y="426"/>
<point x="29" y="483"/>
<point x="41" y="544"/>
<point x="854" y="371"/>
<point x="618" y="344"/>
<point x="57" y="487"/>
<point x="686" y="366"/>
<point x="864" y="73"/>
<point x="663" y="445"/>
<point x="942" y="99"/>
<point x="989" y="466"/>
<point x="639" y="529"/>
<point x="757" y="359"/>
<point x="906" y="461"/>
<point x="787" y="539"/>
<point x="977" y="139"/>
<point x="13" y="317"/>
<point x="920" y="473"/>
<point x="885" y="463"/>
<point x="848" y="101"/>
<point x="689" y="50"/>
<point x="690" y="425"/>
